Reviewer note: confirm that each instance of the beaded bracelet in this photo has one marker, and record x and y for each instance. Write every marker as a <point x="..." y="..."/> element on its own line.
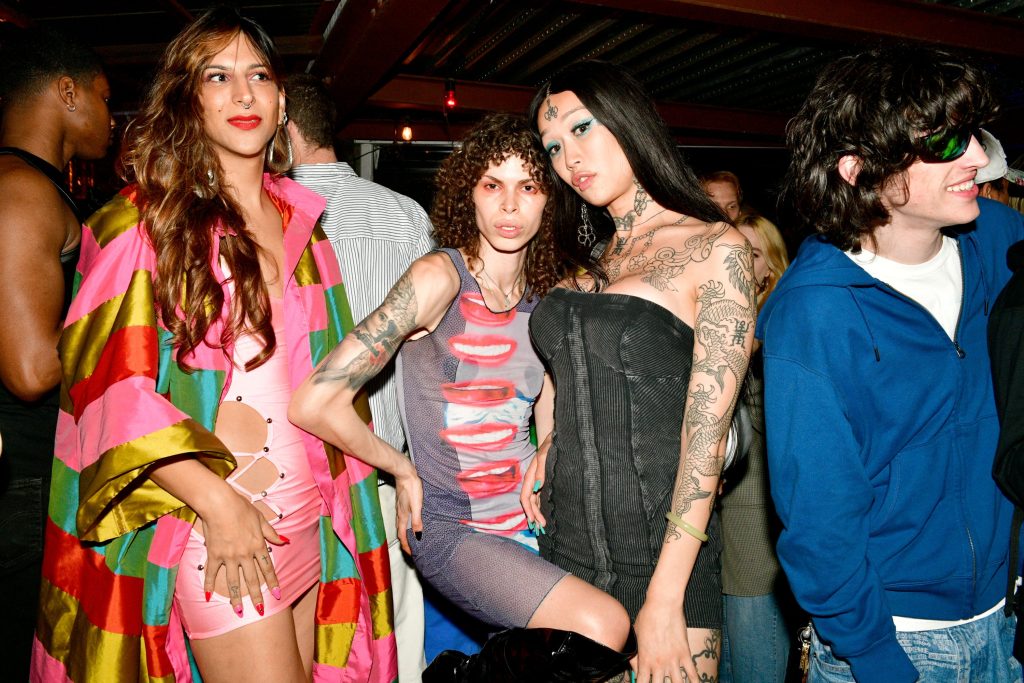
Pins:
<point x="688" y="528"/>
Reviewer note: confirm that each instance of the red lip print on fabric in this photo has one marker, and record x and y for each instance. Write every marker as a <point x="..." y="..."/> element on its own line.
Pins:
<point x="487" y="350"/>
<point x="474" y="310"/>
<point x="505" y="525"/>
<point x="489" y="436"/>
<point x="479" y="392"/>
<point x="490" y="478"/>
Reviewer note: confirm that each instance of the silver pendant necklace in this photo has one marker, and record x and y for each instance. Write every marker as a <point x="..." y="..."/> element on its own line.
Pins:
<point x="493" y="286"/>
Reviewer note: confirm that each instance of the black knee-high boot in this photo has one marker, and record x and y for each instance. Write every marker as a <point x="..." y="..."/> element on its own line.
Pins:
<point x="542" y="655"/>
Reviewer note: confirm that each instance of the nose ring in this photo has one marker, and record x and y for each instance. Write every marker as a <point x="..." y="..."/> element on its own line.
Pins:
<point x="246" y="105"/>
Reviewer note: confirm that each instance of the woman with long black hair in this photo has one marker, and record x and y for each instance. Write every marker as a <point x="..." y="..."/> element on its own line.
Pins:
<point x="648" y="344"/>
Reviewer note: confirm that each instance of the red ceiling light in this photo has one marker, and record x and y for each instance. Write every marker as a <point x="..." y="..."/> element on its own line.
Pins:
<point x="449" y="95"/>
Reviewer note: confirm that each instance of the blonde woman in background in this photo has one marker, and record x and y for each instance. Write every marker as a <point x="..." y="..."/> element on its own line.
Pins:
<point x="756" y="600"/>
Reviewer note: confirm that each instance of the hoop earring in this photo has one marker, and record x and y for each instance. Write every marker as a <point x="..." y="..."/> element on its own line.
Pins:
<point x="287" y="145"/>
<point x="585" y="230"/>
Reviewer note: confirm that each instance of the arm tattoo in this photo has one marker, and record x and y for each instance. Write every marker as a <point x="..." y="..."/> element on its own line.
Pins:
<point x="720" y="322"/>
<point x="382" y="332"/>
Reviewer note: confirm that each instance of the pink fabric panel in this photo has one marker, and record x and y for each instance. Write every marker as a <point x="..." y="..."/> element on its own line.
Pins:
<point x="316" y="308"/>
<point x="357" y="469"/>
<point x="175" y="649"/>
<point x="168" y="542"/>
<point x="109" y="276"/>
<point x="326" y="263"/>
<point x="99" y="433"/>
<point x="46" y="669"/>
<point x="66" y="447"/>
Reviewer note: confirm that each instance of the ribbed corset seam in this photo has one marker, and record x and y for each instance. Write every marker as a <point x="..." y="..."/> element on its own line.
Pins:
<point x="592" y="502"/>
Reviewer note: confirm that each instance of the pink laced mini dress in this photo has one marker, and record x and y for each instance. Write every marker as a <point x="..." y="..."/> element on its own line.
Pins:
<point x="275" y="477"/>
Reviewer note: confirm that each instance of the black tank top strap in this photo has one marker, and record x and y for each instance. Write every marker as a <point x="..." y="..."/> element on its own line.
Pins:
<point x="49" y="170"/>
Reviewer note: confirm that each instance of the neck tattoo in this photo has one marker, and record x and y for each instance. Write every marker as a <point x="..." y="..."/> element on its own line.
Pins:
<point x="640" y="201"/>
<point x="496" y="289"/>
<point x="626" y="223"/>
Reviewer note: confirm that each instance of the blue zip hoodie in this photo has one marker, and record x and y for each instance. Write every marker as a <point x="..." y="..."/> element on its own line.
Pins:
<point x="881" y="434"/>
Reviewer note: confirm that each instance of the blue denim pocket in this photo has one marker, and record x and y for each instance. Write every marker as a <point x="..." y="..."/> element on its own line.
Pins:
<point x="21" y="524"/>
<point x="825" y="666"/>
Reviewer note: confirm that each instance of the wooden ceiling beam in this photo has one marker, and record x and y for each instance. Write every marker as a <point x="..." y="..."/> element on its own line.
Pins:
<point x="849" y="20"/>
<point x="150" y="53"/>
<point x="434" y="131"/>
<point x="425" y="93"/>
<point x="367" y="41"/>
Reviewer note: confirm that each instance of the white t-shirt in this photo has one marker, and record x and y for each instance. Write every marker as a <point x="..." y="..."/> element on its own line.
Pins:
<point x="937" y="284"/>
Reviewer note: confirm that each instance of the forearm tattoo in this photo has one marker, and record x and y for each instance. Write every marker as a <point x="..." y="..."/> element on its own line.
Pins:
<point x="381" y="333"/>
<point x="722" y="328"/>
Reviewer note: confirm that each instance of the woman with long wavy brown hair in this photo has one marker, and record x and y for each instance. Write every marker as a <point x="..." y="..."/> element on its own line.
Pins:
<point x="187" y="500"/>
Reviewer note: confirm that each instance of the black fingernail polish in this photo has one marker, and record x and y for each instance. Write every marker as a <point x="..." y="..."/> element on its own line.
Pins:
<point x="418" y="535"/>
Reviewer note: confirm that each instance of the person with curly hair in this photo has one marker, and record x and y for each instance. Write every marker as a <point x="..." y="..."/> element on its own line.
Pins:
<point x="469" y="381"/>
<point x="880" y="410"/>
<point x="184" y="502"/>
<point x="648" y="343"/>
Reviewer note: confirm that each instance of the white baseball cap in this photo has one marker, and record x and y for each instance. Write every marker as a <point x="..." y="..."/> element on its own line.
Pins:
<point x="997" y="167"/>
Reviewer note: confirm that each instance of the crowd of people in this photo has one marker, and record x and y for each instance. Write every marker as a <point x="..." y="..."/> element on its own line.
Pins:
<point x="255" y="404"/>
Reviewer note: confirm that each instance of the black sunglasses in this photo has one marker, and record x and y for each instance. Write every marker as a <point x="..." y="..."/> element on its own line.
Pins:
<point x="945" y="145"/>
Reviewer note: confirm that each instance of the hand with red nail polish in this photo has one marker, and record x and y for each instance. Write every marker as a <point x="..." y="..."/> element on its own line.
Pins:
<point x="236" y="536"/>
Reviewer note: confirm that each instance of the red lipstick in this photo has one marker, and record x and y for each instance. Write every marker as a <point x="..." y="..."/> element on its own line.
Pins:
<point x="245" y="122"/>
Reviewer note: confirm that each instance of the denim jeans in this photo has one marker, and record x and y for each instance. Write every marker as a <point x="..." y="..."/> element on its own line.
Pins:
<point x="755" y="640"/>
<point x="978" y="652"/>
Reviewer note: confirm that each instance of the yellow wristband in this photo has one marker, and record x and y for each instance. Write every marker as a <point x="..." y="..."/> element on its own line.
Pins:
<point x="688" y="528"/>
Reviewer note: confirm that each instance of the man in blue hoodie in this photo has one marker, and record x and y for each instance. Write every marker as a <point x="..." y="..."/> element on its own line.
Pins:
<point x="879" y="405"/>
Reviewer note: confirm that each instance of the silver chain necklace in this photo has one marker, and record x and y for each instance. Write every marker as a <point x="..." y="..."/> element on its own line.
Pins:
<point x="494" y="287"/>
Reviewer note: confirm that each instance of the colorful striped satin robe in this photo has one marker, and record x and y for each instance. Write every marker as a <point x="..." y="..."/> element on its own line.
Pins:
<point x="114" y="537"/>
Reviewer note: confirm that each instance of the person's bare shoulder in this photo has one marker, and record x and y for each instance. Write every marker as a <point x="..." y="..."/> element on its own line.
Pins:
<point x="32" y="212"/>
<point x="35" y="226"/>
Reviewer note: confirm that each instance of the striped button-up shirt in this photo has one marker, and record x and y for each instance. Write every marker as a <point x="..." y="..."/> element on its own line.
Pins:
<point x="376" y="234"/>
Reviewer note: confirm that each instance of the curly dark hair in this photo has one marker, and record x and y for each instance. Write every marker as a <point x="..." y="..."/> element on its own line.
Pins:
<point x="496" y="138"/>
<point x="873" y="105"/>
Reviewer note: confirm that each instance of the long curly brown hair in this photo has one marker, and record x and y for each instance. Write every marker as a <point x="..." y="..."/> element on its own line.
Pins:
<point x="182" y="200"/>
<point x="496" y="138"/>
